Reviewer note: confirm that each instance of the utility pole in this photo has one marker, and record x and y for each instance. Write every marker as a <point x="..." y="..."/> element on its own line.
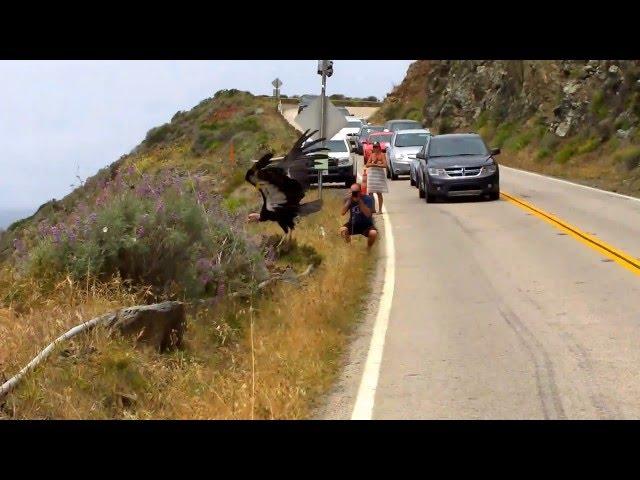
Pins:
<point x="322" y="122"/>
<point x="325" y="69"/>
<point x="277" y="83"/>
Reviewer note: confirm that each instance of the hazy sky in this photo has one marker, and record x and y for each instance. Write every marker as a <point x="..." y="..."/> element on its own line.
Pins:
<point x="58" y="118"/>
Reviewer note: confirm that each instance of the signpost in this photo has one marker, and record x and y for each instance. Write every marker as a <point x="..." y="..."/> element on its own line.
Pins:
<point x="322" y="115"/>
<point x="277" y="83"/>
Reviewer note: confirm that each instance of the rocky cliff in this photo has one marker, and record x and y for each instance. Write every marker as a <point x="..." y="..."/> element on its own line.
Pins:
<point x="553" y="116"/>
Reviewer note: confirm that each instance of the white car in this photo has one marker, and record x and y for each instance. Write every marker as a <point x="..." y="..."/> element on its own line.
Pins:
<point x="354" y="124"/>
<point x="342" y="168"/>
<point x="402" y="150"/>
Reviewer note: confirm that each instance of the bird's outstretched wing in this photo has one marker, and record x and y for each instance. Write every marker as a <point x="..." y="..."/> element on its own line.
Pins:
<point x="302" y="157"/>
<point x="283" y="181"/>
<point x="280" y="191"/>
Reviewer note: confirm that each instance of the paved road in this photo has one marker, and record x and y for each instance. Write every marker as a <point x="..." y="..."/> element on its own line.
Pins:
<point x="497" y="314"/>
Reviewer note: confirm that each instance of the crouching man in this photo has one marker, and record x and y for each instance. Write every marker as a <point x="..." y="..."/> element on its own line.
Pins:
<point x="360" y="208"/>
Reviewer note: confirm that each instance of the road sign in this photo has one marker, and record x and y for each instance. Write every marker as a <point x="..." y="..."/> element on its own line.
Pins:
<point x="309" y="118"/>
<point x="276" y="83"/>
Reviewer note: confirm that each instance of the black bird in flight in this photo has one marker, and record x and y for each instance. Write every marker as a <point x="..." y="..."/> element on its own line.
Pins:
<point x="282" y="182"/>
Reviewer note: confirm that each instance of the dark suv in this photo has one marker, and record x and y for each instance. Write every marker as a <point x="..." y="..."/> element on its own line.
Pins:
<point x="456" y="165"/>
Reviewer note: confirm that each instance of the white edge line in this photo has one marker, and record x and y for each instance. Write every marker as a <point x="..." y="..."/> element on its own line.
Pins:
<point x="572" y="183"/>
<point x="363" y="408"/>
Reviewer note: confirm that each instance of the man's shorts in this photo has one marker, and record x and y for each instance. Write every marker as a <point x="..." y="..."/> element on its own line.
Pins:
<point x="359" y="230"/>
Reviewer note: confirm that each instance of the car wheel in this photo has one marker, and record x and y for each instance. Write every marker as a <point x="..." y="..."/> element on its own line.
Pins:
<point x="394" y="176"/>
<point x="494" y="196"/>
<point x="388" y="174"/>
<point x="412" y="182"/>
<point x="429" y="198"/>
<point x="420" y="190"/>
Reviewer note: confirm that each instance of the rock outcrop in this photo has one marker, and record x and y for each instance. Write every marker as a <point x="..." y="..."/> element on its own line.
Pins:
<point x="592" y="96"/>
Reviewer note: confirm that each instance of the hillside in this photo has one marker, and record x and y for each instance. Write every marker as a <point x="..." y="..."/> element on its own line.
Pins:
<point x="575" y="119"/>
<point x="167" y="222"/>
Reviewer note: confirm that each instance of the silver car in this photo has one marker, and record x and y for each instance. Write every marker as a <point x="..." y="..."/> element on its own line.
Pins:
<point x="402" y="150"/>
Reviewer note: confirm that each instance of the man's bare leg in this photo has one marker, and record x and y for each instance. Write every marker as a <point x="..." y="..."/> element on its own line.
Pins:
<point x="344" y="233"/>
<point x="371" y="237"/>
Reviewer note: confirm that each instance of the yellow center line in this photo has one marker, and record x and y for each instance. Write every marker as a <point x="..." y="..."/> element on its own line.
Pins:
<point x="621" y="258"/>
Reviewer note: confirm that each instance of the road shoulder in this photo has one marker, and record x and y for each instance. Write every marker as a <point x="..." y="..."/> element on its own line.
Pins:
<point x="339" y="402"/>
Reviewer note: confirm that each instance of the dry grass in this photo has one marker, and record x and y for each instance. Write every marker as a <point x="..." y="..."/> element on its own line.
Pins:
<point x="298" y="334"/>
<point x="599" y="168"/>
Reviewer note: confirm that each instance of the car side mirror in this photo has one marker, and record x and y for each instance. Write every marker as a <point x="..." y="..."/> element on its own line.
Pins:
<point x="495" y="151"/>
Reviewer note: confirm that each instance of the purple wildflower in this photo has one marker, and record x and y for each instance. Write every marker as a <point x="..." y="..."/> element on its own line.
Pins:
<point x="19" y="246"/>
<point x="93" y="217"/>
<point x="220" y="291"/>
<point x="43" y="229"/>
<point x="159" y="206"/>
<point x="140" y="231"/>
<point x="203" y="264"/>
<point x="55" y="233"/>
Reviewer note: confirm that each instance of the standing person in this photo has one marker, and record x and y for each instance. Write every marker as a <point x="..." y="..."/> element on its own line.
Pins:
<point x="377" y="174"/>
<point x="360" y="222"/>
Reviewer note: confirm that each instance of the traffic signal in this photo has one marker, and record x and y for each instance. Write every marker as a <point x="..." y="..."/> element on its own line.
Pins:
<point x="329" y="67"/>
<point x="326" y="67"/>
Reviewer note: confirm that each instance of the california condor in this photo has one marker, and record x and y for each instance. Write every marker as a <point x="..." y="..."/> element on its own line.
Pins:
<point x="282" y="182"/>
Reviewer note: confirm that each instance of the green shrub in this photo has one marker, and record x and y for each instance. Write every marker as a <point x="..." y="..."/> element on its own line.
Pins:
<point x="233" y="204"/>
<point x="249" y="124"/>
<point x="521" y="140"/>
<point x="166" y="233"/>
<point x="598" y="106"/>
<point x="629" y="157"/>
<point x="566" y="152"/>
<point x="487" y="131"/>
<point x="622" y="124"/>
<point x="391" y="110"/>
<point x="482" y="119"/>
<point x="588" y="145"/>
<point x="503" y="133"/>
<point x="414" y="114"/>
<point x="549" y="141"/>
<point x="543" y="152"/>
<point x="158" y="134"/>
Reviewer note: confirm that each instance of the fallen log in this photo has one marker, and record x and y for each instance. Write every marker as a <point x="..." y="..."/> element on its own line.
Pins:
<point x="160" y="325"/>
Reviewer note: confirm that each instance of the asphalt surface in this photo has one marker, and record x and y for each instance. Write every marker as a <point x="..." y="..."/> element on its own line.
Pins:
<point x="498" y="314"/>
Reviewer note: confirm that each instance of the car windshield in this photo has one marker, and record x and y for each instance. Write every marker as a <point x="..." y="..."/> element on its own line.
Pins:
<point x="336" y="146"/>
<point x="411" y="139"/>
<point x="380" y="138"/>
<point x="354" y="124"/>
<point x="454" y="146"/>
<point x="405" y="125"/>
